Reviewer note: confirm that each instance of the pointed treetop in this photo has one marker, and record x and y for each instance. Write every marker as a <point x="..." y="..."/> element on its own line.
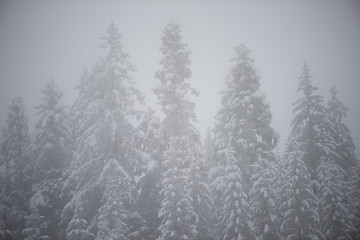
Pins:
<point x="242" y="54"/>
<point x="51" y="97"/>
<point x="172" y="36"/>
<point x="305" y="84"/>
<point x="176" y="54"/>
<point x="243" y="74"/>
<point x="336" y="107"/>
<point x="113" y="42"/>
<point x="17" y="112"/>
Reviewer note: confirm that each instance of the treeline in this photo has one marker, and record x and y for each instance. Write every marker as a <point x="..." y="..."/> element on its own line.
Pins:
<point x="105" y="169"/>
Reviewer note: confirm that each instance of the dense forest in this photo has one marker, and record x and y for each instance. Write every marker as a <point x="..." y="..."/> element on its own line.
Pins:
<point x="105" y="168"/>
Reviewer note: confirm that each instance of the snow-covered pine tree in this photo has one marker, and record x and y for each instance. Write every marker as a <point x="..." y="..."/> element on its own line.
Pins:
<point x="202" y="199"/>
<point x="208" y="143"/>
<point x="174" y="89"/>
<point x="15" y="169"/>
<point x="300" y="219"/>
<point x="345" y="147"/>
<point x="263" y="199"/>
<point x="35" y="226"/>
<point x="77" y="228"/>
<point x="311" y="125"/>
<point x="145" y="219"/>
<point x="176" y="211"/>
<point x="243" y="121"/>
<point x="102" y="114"/>
<point x="174" y="94"/>
<point x="53" y="139"/>
<point x="354" y="193"/>
<point x="112" y="216"/>
<point x="334" y="206"/>
<point x="235" y="219"/>
<point x="51" y="156"/>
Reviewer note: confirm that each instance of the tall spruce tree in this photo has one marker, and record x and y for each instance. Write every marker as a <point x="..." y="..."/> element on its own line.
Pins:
<point x="334" y="206"/>
<point x="344" y="146"/>
<point x="262" y="200"/>
<point x="177" y="127"/>
<point x="176" y="211"/>
<point x="354" y="192"/>
<point x="104" y="134"/>
<point x="35" y="226"/>
<point x="311" y="125"/>
<point x="112" y="216"/>
<point x="243" y="121"/>
<point x="51" y="156"/>
<point x="16" y="170"/>
<point x="300" y="218"/>
<point x="174" y="89"/>
<point x="235" y="219"/>
<point x="145" y="219"/>
<point x="199" y="191"/>
<point x="243" y="124"/>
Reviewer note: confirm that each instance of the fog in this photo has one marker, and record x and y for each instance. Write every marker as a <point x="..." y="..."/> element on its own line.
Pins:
<point x="40" y="40"/>
<point x="97" y="175"/>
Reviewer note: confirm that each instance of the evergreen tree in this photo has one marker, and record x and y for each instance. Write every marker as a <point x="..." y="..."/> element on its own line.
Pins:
<point x="176" y="211"/>
<point x="345" y="147"/>
<point x="262" y="200"/>
<point x="112" y="216"/>
<point x="77" y="227"/>
<point x="354" y="193"/>
<point x="311" y="125"/>
<point x="35" y="226"/>
<point x="209" y="147"/>
<point x="102" y="115"/>
<point x="145" y="217"/>
<point x="335" y="217"/>
<point x="243" y="125"/>
<point x="15" y="149"/>
<point x="299" y="203"/>
<point x="51" y="156"/>
<point x="177" y="128"/>
<point x="202" y="199"/>
<point x="243" y="121"/>
<point x="174" y="90"/>
<point x="236" y="218"/>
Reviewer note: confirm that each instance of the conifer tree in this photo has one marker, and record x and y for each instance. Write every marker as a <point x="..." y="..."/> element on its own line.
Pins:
<point x="236" y="218"/>
<point x="311" y="125"/>
<point x="102" y="115"/>
<point x="300" y="219"/>
<point x="77" y="228"/>
<point x="262" y="200"/>
<point x="53" y="139"/>
<point x="176" y="211"/>
<point x="15" y="151"/>
<point x="345" y="148"/>
<point x="334" y="206"/>
<point x="146" y="221"/>
<point x="174" y="90"/>
<point x="174" y="94"/>
<point x="354" y="193"/>
<point x="243" y="124"/>
<point x="243" y="121"/>
<point x="112" y="216"/>
<point x="201" y="197"/>
<point x="51" y="156"/>
<point x="35" y="226"/>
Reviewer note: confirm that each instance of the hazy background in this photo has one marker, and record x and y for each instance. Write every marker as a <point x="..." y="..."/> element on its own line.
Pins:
<point x="47" y="39"/>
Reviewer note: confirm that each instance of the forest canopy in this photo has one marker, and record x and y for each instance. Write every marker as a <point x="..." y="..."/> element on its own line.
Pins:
<point x="105" y="168"/>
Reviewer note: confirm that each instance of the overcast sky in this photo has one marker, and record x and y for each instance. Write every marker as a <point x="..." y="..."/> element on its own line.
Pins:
<point x="40" y="40"/>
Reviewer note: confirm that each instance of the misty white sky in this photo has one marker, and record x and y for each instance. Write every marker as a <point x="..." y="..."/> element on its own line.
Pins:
<point x="47" y="39"/>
